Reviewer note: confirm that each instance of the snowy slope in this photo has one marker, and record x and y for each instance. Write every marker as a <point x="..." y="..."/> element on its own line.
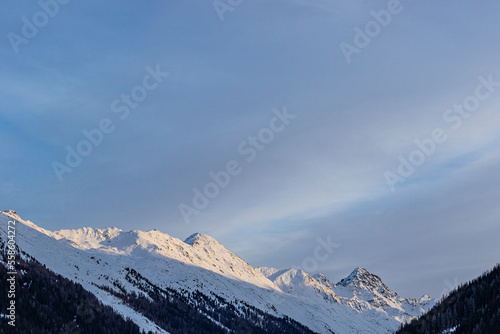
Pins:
<point x="361" y="292"/>
<point x="64" y="259"/>
<point x="103" y="257"/>
<point x="366" y="292"/>
<point x="298" y="282"/>
<point x="198" y="250"/>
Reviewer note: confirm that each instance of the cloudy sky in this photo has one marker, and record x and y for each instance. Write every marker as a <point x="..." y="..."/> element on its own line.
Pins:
<point x="370" y="125"/>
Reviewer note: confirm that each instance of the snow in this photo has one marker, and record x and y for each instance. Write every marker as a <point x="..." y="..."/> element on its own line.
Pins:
<point x="361" y="303"/>
<point x="61" y="257"/>
<point x="361" y="292"/>
<point x="449" y="331"/>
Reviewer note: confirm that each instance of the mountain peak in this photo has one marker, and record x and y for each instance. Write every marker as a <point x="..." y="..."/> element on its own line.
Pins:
<point x="361" y="276"/>
<point x="361" y="280"/>
<point x="356" y="275"/>
<point x="360" y="271"/>
<point x="193" y="238"/>
<point x="106" y="257"/>
<point x="11" y="213"/>
<point x="196" y="238"/>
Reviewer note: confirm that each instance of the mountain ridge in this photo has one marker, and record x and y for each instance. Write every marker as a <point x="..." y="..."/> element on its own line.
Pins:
<point x="99" y="258"/>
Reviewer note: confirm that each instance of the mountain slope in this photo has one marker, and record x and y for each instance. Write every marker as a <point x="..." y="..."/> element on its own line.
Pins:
<point x="36" y="243"/>
<point x="113" y="275"/>
<point x="367" y="292"/>
<point x="49" y="303"/>
<point x="198" y="250"/>
<point x="471" y="308"/>
<point x="200" y="272"/>
<point x="361" y="292"/>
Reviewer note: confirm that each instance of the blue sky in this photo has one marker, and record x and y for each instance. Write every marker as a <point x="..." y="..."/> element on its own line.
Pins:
<point x="322" y="175"/>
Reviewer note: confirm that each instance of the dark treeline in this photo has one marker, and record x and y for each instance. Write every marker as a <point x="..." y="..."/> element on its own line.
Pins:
<point x="471" y="308"/>
<point x="49" y="303"/>
<point x="194" y="312"/>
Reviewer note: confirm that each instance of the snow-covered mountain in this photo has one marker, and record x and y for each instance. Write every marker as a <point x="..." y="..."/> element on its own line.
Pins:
<point x="361" y="291"/>
<point x="109" y="259"/>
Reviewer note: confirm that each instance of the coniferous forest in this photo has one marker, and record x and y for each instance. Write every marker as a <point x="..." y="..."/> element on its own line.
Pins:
<point x="49" y="303"/>
<point x="183" y="312"/>
<point x="471" y="308"/>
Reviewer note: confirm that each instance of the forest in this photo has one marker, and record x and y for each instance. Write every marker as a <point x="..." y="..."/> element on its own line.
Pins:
<point x="473" y="307"/>
<point x="49" y="303"/>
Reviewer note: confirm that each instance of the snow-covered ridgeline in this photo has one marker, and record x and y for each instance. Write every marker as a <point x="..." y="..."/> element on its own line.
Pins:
<point x="100" y="257"/>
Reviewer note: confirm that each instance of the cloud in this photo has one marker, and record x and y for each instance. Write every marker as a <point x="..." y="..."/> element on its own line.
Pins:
<point x="323" y="174"/>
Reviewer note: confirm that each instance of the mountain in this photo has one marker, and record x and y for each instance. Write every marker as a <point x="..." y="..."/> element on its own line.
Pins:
<point x="471" y="308"/>
<point x="366" y="292"/>
<point x="49" y="303"/>
<point x="151" y="276"/>
<point x="361" y="292"/>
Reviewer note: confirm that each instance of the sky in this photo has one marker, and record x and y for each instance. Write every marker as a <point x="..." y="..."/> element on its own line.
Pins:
<point x="277" y="127"/>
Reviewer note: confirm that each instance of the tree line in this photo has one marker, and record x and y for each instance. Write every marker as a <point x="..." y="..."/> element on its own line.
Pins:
<point x="473" y="307"/>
